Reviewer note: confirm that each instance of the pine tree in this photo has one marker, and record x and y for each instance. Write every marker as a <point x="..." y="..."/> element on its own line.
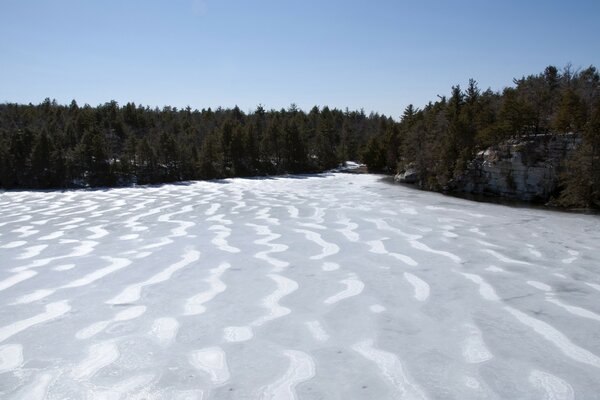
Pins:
<point x="93" y="163"/>
<point x="571" y="115"/>
<point x="40" y="161"/>
<point x="211" y="158"/>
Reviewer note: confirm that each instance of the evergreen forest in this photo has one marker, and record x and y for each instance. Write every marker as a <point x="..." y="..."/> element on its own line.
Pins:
<point x="55" y="146"/>
<point x="50" y="145"/>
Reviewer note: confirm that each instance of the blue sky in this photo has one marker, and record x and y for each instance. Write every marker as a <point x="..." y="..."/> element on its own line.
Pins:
<point x="379" y="55"/>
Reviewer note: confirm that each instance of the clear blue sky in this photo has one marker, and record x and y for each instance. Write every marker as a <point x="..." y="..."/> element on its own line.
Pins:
<point x="379" y="55"/>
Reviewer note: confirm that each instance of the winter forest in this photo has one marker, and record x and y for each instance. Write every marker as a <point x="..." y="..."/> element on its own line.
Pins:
<point x="50" y="145"/>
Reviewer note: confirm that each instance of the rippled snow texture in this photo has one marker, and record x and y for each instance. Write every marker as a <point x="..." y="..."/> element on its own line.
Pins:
<point x="331" y="286"/>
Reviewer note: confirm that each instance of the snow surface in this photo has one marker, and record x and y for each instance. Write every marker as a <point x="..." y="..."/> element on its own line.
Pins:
<point x="333" y="286"/>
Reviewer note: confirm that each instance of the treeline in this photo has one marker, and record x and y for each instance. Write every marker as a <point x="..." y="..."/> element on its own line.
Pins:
<point x="439" y="140"/>
<point x="55" y="146"/>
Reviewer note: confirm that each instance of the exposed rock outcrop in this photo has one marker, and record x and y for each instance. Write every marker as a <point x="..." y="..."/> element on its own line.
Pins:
<point x="409" y="175"/>
<point x="524" y="169"/>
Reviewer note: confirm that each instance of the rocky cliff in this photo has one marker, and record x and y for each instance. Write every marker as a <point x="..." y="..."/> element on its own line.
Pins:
<point x="524" y="169"/>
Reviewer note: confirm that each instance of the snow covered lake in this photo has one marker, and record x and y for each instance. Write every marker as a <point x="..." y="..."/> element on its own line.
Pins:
<point x="324" y="287"/>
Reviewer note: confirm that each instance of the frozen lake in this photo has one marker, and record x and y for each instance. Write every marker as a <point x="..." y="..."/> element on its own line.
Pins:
<point x="324" y="287"/>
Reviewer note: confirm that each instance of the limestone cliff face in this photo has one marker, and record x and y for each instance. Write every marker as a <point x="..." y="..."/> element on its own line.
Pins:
<point x="525" y="169"/>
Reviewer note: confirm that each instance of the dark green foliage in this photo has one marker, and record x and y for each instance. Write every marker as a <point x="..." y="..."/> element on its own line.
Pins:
<point x="440" y="140"/>
<point x="51" y="145"/>
<point x="582" y="175"/>
<point x="374" y="155"/>
<point x="571" y="114"/>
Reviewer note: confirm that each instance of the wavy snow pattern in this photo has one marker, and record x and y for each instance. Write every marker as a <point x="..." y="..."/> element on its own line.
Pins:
<point x="308" y="284"/>
<point x="301" y="369"/>
<point x="391" y="369"/>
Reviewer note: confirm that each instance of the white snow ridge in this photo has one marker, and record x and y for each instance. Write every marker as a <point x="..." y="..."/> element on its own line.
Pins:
<point x="332" y="286"/>
<point x="212" y="362"/>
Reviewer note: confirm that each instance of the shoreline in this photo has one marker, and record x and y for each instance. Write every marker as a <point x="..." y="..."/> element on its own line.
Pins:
<point x="505" y="201"/>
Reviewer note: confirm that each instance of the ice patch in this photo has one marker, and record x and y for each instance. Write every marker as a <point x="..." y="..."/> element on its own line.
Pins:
<point x="533" y="251"/>
<point x="222" y="233"/>
<point x="99" y="356"/>
<point x="553" y="387"/>
<point x="54" y="235"/>
<point x="183" y="226"/>
<point x="384" y="226"/>
<point x="83" y="248"/>
<point x="194" y="394"/>
<point x="316" y="330"/>
<point x="330" y="266"/>
<point x="594" y="286"/>
<point x="212" y="362"/>
<point x="15" y="244"/>
<point x="34" y="296"/>
<point x="555" y="337"/>
<point x="115" y="265"/>
<point x="311" y="225"/>
<point x="285" y="286"/>
<point x="349" y="230"/>
<point x="213" y="209"/>
<point x="17" y="278"/>
<point x="143" y="254"/>
<point x="124" y="389"/>
<point x="132" y="293"/>
<point x="578" y="311"/>
<point x="485" y="290"/>
<point x="377" y="308"/>
<point x="378" y="247"/>
<point x="292" y="211"/>
<point x="161" y="243"/>
<point x="25" y="231"/>
<point x="354" y="287"/>
<point x="539" y="286"/>
<point x="423" y="247"/>
<point x="477" y="231"/>
<point x="504" y="258"/>
<point x="98" y="232"/>
<point x="64" y="267"/>
<point x="449" y="234"/>
<point x="263" y="214"/>
<point x="301" y="369"/>
<point x="487" y="244"/>
<point x="131" y="236"/>
<point x="22" y="218"/>
<point x="220" y="218"/>
<point x="420" y="287"/>
<point x="328" y="249"/>
<point x="237" y="333"/>
<point x="130" y="313"/>
<point x="573" y="257"/>
<point x="195" y="304"/>
<point x="38" y="390"/>
<point x="53" y="310"/>
<point x="390" y="367"/>
<point x="438" y="208"/>
<point x="164" y="330"/>
<point x="474" y="349"/>
<point x="11" y="357"/>
<point x="92" y="330"/>
<point x="472" y="383"/>
<point x="264" y="230"/>
<point x="32" y="251"/>
<point x="73" y="221"/>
